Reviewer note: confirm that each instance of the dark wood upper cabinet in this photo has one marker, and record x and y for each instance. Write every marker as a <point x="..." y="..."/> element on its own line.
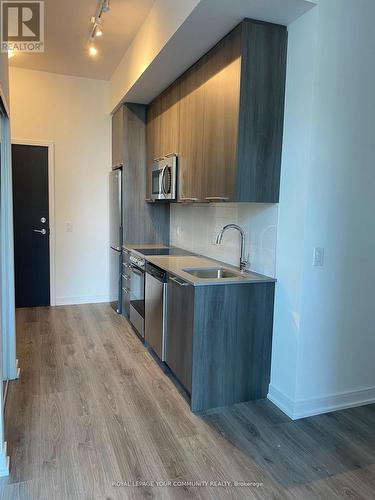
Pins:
<point x="118" y="137"/>
<point x="222" y="67"/>
<point x="142" y="222"/>
<point x="169" y="120"/>
<point x="261" y="116"/>
<point x="191" y="178"/>
<point x="224" y="118"/>
<point x="152" y="139"/>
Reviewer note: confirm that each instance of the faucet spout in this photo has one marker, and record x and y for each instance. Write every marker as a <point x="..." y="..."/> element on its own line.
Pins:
<point x="219" y="237"/>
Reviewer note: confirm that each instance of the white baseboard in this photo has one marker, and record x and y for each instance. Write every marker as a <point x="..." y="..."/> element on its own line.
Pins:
<point x="4" y="462"/>
<point x="82" y="299"/>
<point x="282" y="401"/>
<point x="309" y="407"/>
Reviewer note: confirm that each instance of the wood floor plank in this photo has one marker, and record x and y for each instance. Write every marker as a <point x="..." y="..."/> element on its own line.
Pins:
<point x="94" y="416"/>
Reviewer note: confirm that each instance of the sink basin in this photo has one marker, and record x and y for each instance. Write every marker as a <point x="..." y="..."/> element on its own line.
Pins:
<point x="213" y="273"/>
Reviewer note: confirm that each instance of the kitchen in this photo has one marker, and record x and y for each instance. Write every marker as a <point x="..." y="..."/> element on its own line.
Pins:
<point x="193" y="136"/>
<point x="196" y="323"/>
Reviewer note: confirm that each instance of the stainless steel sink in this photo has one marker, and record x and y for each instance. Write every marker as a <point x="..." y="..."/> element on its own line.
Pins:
<point x="213" y="273"/>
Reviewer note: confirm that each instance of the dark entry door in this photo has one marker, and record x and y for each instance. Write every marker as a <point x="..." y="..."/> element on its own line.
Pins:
<point x="31" y="225"/>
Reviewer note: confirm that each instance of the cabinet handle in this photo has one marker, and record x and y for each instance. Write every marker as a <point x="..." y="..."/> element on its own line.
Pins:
<point x="216" y="198"/>
<point x="187" y="200"/>
<point x="149" y="200"/>
<point x="179" y="283"/>
<point x="165" y="156"/>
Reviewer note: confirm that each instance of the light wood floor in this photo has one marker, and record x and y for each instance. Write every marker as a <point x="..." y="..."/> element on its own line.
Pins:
<point x="92" y="408"/>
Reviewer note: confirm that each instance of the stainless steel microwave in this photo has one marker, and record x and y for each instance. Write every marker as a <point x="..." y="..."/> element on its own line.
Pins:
<point x="164" y="178"/>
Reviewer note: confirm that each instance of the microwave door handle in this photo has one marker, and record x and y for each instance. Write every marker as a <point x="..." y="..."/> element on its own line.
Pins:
<point x="160" y="181"/>
<point x="162" y="190"/>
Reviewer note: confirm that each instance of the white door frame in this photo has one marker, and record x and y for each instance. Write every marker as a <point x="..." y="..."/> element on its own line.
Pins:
<point x="51" y="198"/>
<point x="8" y="364"/>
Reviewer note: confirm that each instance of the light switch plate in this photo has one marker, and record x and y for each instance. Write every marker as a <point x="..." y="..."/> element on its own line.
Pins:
<point x="318" y="257"/>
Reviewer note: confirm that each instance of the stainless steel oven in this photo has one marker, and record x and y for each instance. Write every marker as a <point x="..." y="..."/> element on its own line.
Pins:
<point x="164" y="178"/>
<point x="137" y="294"/>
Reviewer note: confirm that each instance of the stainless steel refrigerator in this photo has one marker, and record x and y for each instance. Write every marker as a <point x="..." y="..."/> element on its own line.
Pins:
<point x="115" y="235"/>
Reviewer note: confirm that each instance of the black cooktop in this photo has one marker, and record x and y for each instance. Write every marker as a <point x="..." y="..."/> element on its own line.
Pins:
<point x="162" y="251"/>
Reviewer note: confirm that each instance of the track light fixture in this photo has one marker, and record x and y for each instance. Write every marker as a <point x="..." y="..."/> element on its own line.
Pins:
<point x="96" y="28"/>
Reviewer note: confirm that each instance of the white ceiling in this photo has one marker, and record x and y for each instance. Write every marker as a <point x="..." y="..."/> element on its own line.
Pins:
<point x="67" y="26"/>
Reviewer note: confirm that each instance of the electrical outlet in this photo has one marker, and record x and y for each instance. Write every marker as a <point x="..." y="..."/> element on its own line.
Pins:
<point x="318" y="257"/>
<point x="69" y="227"/>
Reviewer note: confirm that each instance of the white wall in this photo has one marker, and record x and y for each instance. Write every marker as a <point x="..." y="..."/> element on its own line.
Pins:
<point x="293" y="202"/>
<point x="324" y="342"/>
<point x="165" y="17"/>
<point x="73" y="113"/>
<point x="194" y="228"/>
<point x="4" y="341"/>
<point x="4" y="75"/>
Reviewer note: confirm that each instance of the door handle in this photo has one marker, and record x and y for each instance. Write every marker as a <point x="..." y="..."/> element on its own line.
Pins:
<point x="179" y="283"/>
<point x="188" y="200"/>
<point x="216" y="198"/>
<point x="41" y="231"/>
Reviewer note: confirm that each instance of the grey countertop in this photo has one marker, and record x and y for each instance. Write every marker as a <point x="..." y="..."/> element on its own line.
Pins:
<point x="176" y="265"/>
<point x="132" y="246"/>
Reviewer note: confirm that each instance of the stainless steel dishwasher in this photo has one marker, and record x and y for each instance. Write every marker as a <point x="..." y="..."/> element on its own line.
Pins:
<point x="155" y="309"/>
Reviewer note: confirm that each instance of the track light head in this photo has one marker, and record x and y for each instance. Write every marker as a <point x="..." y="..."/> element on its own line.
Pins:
<point x="105" y="6"/>
<point x="93" y="50"/>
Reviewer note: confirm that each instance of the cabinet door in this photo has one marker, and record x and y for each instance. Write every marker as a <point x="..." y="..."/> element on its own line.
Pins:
<point x="153" y="134"/>
<point x="118" y="137"/>
<point x="222" y="67"/>
<point x="180" y="318"/>
<point x="190" y="161"/>
<point x="169" y="120"/>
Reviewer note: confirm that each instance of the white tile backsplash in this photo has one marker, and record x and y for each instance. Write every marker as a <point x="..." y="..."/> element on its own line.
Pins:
<point x="194" y="228"/>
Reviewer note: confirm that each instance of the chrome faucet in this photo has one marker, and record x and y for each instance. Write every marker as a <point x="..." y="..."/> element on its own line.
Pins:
<point x="219" y="237"/>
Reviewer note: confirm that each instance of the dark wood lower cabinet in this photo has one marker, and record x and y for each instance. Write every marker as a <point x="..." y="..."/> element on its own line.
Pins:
<point x="219" y="341"/>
